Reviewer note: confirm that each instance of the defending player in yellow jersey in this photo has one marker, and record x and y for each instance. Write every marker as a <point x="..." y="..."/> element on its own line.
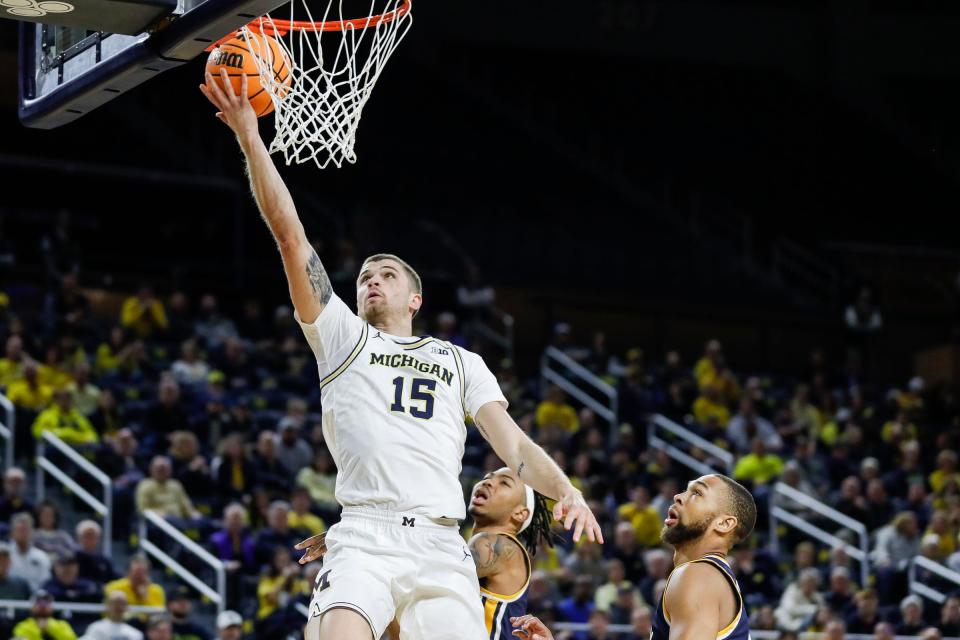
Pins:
<point x="510" y="520"/>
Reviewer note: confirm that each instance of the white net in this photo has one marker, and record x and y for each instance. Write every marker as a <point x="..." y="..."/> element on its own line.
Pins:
<point x="336" y="60"/>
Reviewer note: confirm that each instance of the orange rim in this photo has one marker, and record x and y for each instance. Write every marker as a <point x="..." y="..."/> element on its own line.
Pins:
<point x="272" y="27"/>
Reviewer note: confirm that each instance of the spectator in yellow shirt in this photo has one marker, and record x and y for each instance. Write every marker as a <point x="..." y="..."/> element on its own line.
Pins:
<point x="137" y="585"/>
<point x="642" y="516"/>
<point x="143" y="314"/>
<point x="899" y="430"/>
<point x="163" y="494"/>
<point x="86" y="395"/>
<point x="705" y="370"/>
<point x="11" y="364"/>
<point x="41" y="625"/>
<point x="554" y="412"/>
<point x="53" y="372"/>
<point x="710" y="405"/>
<point x="758" y="467"/>
<point x="300" y="517"/>
<point x="945" y="532"/>
<point x="912" y="399"/>
<point x="279" y="584"/>
<point x="28" y="393"/>
<point x="946" y="470"/>
<point x="64" y="421"/>
<point x="320" y="479"/>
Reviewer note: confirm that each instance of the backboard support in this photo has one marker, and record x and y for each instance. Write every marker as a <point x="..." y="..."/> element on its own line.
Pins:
<point x="66" y="72"/>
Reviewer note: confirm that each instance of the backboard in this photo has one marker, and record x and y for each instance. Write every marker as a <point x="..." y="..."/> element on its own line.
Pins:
<point x="68" y="70"/>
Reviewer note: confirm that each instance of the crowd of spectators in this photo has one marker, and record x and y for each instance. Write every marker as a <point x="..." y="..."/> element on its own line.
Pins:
<point x="211" y="419"/>
<point x="883" y="455"/>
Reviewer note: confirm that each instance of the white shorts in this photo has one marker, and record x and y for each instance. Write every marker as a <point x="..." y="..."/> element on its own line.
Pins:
<point x="387" y="565"/>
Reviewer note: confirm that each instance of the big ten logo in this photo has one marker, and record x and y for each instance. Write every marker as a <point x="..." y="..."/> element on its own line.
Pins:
<point x="34" y="9"/>
<point x="225" y="58"/>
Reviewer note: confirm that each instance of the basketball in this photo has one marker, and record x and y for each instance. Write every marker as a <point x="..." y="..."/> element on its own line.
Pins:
<point x="237" y="57"/>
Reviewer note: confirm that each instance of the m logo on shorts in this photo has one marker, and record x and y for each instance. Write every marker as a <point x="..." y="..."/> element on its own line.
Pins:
<point x="323" y="580"/>
<point x="407" y="522"/>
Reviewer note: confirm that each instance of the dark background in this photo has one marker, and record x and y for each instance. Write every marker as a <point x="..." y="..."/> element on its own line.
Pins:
<point x="663" y="170"/>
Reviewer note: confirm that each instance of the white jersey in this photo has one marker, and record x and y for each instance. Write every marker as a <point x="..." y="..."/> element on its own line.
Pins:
<point x="395" y="412"/>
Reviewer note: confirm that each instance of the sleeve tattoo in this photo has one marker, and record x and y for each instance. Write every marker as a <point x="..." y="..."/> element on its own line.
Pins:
<point x="489" y="549"/>
<point x="319" y="280"/>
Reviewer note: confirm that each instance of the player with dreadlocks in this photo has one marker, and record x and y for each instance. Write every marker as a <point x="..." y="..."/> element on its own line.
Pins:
<point x="510" y="520"/>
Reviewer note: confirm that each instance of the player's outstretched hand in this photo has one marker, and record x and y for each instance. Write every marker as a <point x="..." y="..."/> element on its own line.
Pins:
<point x="530" y="628"/>
<point x="315" y="547"/>
<point x="234" y="107"/>
<point x="572" y="509"/>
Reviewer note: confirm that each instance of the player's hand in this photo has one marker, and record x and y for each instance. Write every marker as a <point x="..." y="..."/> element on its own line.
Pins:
<point x="234" y="108"/>
<point x="530" y="628"/>
<point x="316" y="546"/>
<point x="572" y="509"/>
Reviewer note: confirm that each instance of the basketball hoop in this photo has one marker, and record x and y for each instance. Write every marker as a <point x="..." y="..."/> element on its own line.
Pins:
<point x="318" y="115"/>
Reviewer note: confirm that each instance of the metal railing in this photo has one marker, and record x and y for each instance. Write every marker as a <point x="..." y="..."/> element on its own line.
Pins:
<point x="219" y="595"/>
<point x="656" y="442"/>
<point x="778" y="514"/>
<point x="75" y="607"/>
<point x="103" y="508"/>
<point x="553" y="357"/>
<point x="8" y="430"/>
<point x="924" y="590"/>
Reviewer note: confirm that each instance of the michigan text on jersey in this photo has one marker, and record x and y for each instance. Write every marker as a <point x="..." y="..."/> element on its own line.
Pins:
<point x="402" y="361"/>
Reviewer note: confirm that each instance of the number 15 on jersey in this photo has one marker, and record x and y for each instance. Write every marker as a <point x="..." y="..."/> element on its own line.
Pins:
<point x="419" y="400"/>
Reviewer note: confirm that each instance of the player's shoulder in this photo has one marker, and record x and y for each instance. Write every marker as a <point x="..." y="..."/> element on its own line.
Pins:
<point x="701" y="580"/>
<point x="505" y="544"/>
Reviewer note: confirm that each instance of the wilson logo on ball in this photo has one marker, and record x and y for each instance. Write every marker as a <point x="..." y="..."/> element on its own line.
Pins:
<point x="227" y="59"/>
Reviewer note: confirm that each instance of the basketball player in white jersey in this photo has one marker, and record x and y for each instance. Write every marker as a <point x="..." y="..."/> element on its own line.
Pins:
<point x="394" y="413"/>
<point x="510" y="520"/>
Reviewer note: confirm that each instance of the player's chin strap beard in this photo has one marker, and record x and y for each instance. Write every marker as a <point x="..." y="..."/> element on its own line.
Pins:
<point x="531" y="505"/>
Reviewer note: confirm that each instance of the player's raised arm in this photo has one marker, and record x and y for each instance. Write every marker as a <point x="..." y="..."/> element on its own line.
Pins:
<point x="310" y="288"/>
<point x="537" y="469"/>
<point x="693" y="601"/>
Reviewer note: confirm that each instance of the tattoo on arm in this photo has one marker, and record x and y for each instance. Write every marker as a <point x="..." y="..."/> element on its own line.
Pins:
<point x="483" y="431"/>
<point x="319" y="280"/>
<point x="520" y="468"/>
<point x="490" y="550"/>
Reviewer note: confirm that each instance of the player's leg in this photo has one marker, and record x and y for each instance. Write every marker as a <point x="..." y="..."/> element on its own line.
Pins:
<point x="445" y="604"/>
<point x="338" y="623"/>
<point x="352" y="596"/>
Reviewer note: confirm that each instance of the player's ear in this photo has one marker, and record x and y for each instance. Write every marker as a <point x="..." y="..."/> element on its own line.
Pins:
<point x="520" y="514"/>
<point x="416" y="301"/>
<point x="726" y="524"/>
